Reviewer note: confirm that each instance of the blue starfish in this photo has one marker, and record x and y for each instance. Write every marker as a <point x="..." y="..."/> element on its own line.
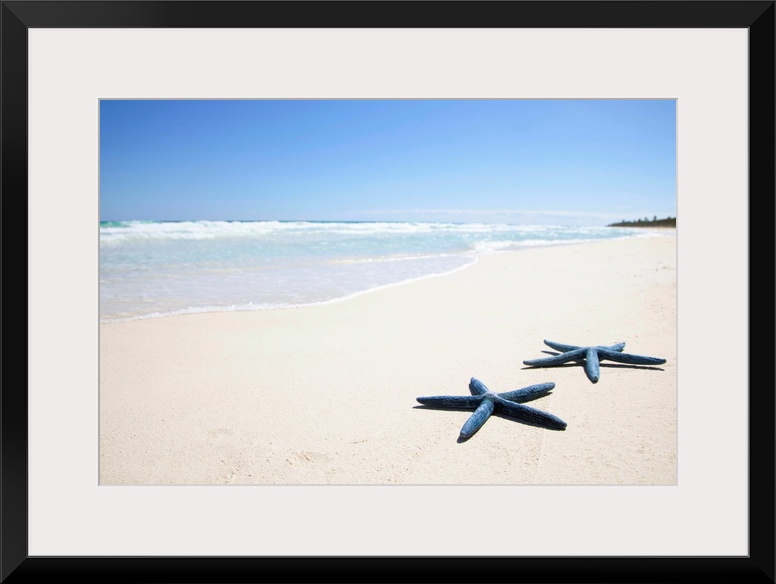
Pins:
<point x="592" y="356"/>
<point x="484" y="401"/>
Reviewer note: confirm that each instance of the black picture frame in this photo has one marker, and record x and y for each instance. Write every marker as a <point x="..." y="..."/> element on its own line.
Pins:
<point x="19" y="16"/>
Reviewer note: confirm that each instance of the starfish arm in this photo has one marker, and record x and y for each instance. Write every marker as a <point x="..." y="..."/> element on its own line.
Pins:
<point x="477" y="387"/>
<point x="628" y="358"/>
<point x="538" y="417"/>
<point x="561" y="347"/>
<point x="527" y="393"/>
<point x="566" y="348"/>
<point x="557" y="359"/>
<point x="460" y="402"/>
<point x="615" y="347"/>
<point x="591" y="364"/>
<point x="478" y="418"/>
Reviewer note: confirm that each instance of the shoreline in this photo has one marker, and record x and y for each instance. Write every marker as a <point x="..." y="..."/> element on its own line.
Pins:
<point x="326" y="394"/>
<point x="260" y="308"/>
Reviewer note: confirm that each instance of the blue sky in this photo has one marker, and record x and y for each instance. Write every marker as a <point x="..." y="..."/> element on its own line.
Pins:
<point x="570" y="162"/>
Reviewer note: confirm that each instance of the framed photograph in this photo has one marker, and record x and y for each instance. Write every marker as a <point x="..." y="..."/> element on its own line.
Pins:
<point x="364" y="290"/>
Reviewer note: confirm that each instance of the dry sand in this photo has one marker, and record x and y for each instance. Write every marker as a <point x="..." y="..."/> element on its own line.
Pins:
<point x="326" y="394"/>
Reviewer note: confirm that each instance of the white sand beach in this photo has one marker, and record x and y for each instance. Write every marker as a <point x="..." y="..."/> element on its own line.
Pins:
<point x="326" y="394"/>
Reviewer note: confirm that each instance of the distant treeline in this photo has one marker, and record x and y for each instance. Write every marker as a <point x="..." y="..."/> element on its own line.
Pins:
<point x="654" y="222"/>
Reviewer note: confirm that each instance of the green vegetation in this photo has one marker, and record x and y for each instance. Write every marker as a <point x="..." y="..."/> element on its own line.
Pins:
<point x="655" y="222"/>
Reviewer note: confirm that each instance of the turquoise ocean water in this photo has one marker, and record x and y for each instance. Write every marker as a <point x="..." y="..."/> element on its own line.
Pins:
<point x="152" y="268"/>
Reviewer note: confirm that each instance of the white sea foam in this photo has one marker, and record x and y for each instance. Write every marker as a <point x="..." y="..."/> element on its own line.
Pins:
<point x="111" y="232"/>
